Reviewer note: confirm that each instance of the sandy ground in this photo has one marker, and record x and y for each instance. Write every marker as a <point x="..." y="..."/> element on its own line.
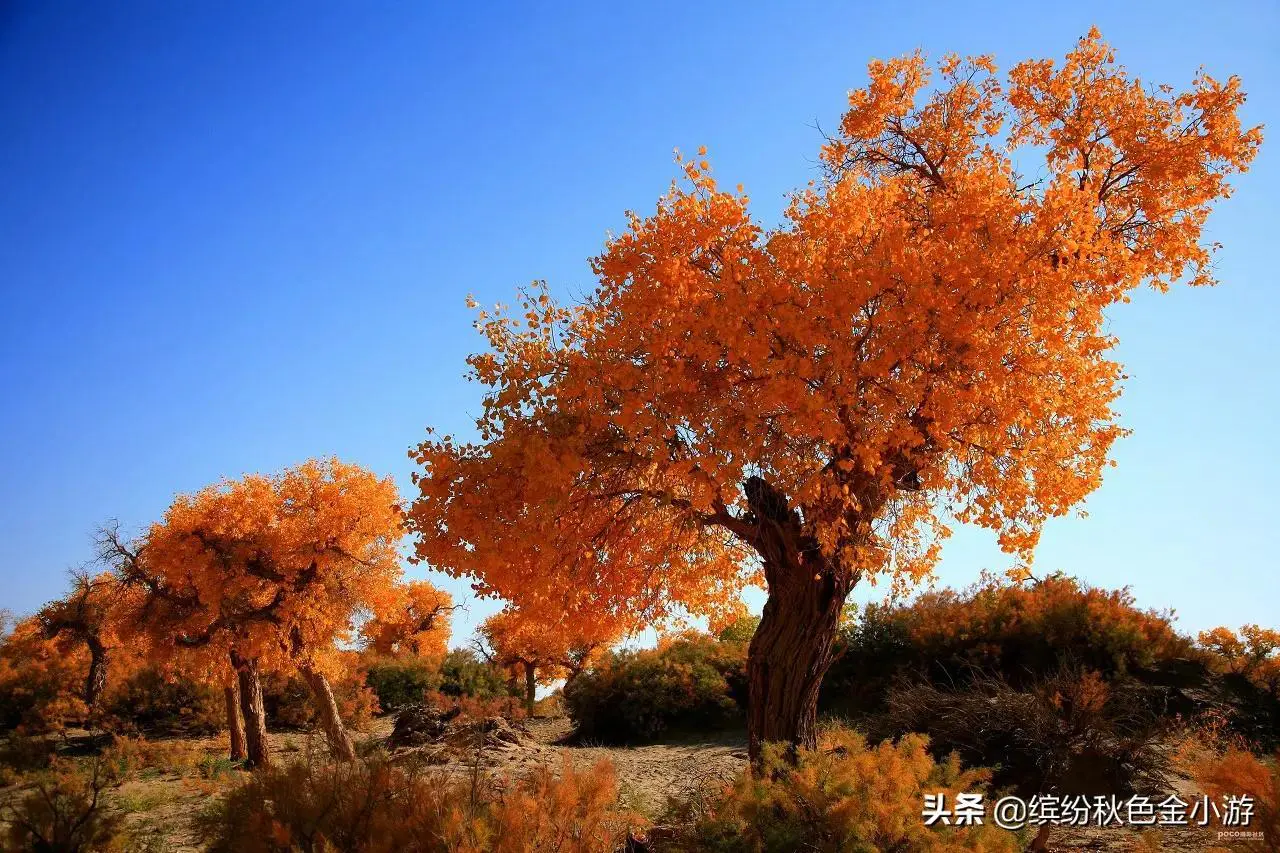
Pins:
<point x="161" y="807"/>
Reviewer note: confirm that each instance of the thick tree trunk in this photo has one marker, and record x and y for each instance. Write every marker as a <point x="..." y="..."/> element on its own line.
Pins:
<point x="530" y="687"/>
<point x="96" y="682"/>
<point x="788" y="658"/>
<point x="792" y="647"/>
<point x="340" y="745"/>
<point x="235" y="723"/>
<point x="258" y="752"/>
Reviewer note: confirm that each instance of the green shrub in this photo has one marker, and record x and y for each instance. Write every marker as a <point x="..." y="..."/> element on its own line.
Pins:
<point x="465" y="673"/>
<point x="151" y="702"/>
<point x="401" y="682"/>
<point x="689" y="682"/>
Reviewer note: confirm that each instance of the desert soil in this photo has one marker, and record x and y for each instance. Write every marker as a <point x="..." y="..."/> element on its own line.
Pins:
<point x="161" y="807"/>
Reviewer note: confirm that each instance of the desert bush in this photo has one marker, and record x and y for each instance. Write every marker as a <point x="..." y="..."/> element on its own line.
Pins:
<point x="477" y="707"/>
<point x="844" y="796"/>
<point x="464" y="673"/>
<point x="40" y="683"/>
<point x="399" y="682"/>
<point x="150" y="701"/>
<point x="127" y="756"/>
<point x="63" y="811"/>
<point x="1072" y="732"/>
<point x="1237" y="772"/>
<point x="290" y="704"/>
<point x="691" y="681"/>
<point x="1021" y="632"/>
<point x="371" y="806"/>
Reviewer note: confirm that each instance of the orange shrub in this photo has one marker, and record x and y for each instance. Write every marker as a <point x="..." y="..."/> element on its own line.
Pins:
<point x="1237" y="772"/>
<point x="374" y="806"/>
<point x="1019" y="631"/>
<point x="845" y="795"/>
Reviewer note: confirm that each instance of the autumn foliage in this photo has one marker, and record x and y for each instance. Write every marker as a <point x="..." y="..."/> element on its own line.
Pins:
<point x="375" y="806"/>
<point x="1019" y="631"/>
<point x="844" y="795"/>
<point x="924" y="333"/>
<point x="542" y="652"/>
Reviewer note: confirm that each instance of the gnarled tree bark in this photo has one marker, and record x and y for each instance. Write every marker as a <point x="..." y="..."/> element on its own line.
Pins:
<point x="793" y="646"/>
<point x="258" y="752"/>
<point x="530" y="687"/>
<point x="96" y="682"/>
<point x="235" y="722"/>
<point x="340" y="745"/>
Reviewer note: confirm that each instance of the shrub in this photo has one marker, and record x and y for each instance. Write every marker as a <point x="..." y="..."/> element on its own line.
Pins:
<point x="372" y="806"/>
<point x="1020" y="632"/>
<point x="290" y="704"/>
<point x="843" y="796"/>
<point x="40" y="683"/>
<point x="63" y="812"/>
<point x="127" y="756"/>
<point x="399" y="682"/>
<point x="1072" y="733"/>
<point x="690" y="681"/>
<point x="1236" y="772"/>
<point x="149" y="701"/>
<point x="464" y="673"/>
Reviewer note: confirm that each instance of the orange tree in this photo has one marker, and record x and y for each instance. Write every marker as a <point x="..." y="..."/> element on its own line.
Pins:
<point x="87" y="616"/>
<point x="267" y="573"/>
<point x="544" y="651"/>
<point x="1254" y="653"/>
<point x="922" y="337"/>
<point x="416" y="622"/>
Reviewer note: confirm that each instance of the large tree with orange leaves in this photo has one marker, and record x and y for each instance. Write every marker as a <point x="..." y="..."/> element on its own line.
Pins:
<point x="922" y="338"/>
<point x="267" y="573"/>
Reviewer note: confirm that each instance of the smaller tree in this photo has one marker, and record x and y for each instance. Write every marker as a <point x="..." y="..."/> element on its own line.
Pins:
<point x="1253" y="653"/>
<point x="417" y="623"/>
<point x="40" y="683"/>
<point x="543" y="652"/>
<point x="268" y="573"/>
<point x="88" y="616"/>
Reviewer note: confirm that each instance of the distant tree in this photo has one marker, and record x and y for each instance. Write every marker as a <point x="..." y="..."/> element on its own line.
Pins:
<point x="542" y="652"/>
<point x="88" y="615"/>
<point x="925" y="336"/>
<point x="416" y="623"/>
<point x="267" y="573"/>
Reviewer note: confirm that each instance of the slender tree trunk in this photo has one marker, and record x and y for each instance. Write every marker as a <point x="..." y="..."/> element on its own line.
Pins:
<point x="235" y="722"/>
<point x="258" y="753"/>
<point x="96" y="682"/>
<point x="340" y="745"/>
<point x="530" y="687"/>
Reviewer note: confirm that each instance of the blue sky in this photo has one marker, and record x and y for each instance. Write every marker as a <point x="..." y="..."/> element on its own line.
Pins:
<point x="236" y="235"/>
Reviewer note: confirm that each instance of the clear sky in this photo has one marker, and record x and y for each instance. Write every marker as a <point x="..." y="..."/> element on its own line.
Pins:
<point x="234" y="235"/>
